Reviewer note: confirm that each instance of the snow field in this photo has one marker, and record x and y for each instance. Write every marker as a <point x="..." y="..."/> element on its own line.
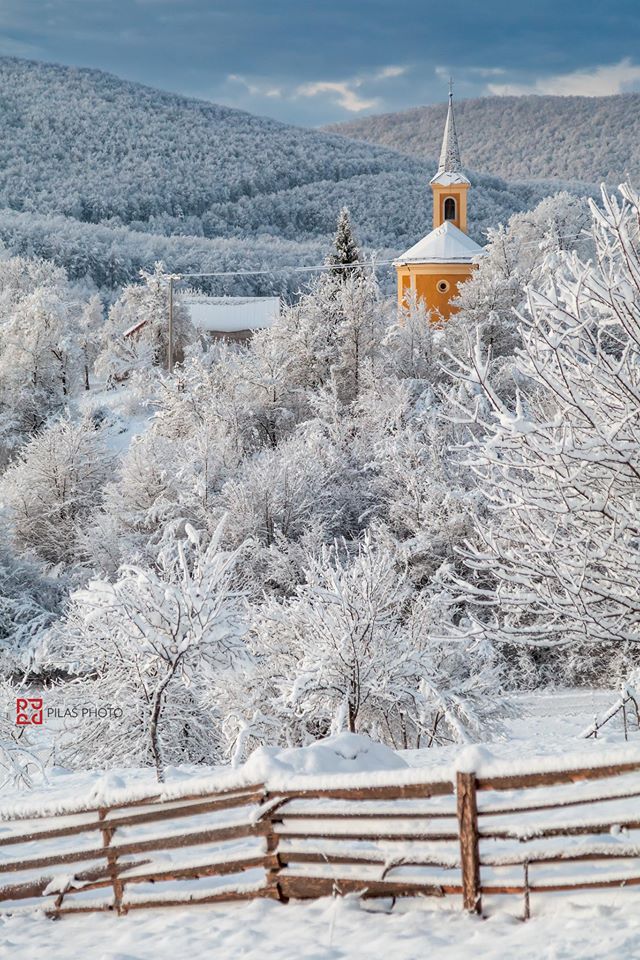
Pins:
<point x="606" y="927"/>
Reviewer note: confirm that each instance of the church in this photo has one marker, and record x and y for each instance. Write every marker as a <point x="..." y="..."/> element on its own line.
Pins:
<point x="434" y="267"/>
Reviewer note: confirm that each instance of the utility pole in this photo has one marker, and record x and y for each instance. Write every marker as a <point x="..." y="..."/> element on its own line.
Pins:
<point x="170" y="337"/>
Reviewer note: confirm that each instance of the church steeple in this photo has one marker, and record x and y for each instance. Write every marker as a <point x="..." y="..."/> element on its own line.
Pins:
<point x="450" y="152"/>
<point x="450" y="184"/>
<point x="434" y="267"/>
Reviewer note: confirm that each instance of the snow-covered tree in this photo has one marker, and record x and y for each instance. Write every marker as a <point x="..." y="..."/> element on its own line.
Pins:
<point x="262" y="379"/>
<point x="413" y="345"/>
<point x="518" y="254"/>
<point x="137" y="332"/>
<point x="357" y="321"/>
<point x="344" y="261"/>
<point x="561" y="466"/>
<point x="154" y="644"/>
<point x="142" y="499"/>
<point x="428" y="502"/>
<point x="90" y="334"/>
<point x="52" y="487"/>
<point x="352" y="649"/>
<point x="30" y="601"/>
<point x="40" y="353"/>
<point x="334" y="333"/>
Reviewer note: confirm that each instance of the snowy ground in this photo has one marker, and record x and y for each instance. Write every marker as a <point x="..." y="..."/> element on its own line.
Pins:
<point x="539" y="725"/>
<point x="581" y="925"/>
<point x="328" y="930"/>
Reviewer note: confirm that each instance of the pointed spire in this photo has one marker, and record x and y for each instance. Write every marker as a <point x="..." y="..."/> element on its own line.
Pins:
<point x="450" y="153"/>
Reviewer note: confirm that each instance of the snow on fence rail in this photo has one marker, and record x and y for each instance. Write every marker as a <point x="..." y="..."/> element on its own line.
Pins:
<point x="481" y="831"/>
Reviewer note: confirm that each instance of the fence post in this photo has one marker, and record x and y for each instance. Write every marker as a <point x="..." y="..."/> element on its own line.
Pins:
<point x="527" y="892"/>
<point x="272" y="860"/>
<point x="112" y="861"/>
<point x="467" y="808"/>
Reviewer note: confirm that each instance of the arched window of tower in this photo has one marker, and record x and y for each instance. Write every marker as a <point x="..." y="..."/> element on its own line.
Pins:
<point x="449" y="209"/>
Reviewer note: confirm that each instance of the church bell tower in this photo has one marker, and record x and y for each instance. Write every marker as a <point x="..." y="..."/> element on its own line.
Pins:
<point x="450" y="186"/>
<point x="435" y="266"/>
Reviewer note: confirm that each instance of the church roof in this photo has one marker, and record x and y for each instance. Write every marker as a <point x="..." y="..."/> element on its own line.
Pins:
<point x="450" y="166"/>
<point x="445" y="244"/>
<point x="447" y="178"/>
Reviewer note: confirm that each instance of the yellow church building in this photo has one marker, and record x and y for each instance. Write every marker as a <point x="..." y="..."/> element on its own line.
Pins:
<point x="435" y="266"/>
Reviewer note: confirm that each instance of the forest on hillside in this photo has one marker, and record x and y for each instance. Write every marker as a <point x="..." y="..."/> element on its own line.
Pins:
<point x="591" y="139"/>
<point x="104" y="177"/>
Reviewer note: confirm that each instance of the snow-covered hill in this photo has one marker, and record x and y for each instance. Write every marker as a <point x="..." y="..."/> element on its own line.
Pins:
<point x="96" y="171"/>
<point x="573" y="138"/>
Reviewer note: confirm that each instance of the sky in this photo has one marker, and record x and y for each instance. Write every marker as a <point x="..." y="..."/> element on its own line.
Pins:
<point x="313" y="62"/>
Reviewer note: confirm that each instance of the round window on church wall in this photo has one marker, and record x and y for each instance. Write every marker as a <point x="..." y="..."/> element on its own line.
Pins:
<point x="442" y="286"/>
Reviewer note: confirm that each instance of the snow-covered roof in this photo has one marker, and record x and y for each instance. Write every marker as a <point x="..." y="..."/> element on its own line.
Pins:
<point x="138" y="325"/>
<point x="445" y="244"/>
<point x="231" y="314"/>
<point x="448" y="179"/>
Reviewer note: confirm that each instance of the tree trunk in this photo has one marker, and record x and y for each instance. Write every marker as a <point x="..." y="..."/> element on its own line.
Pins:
<point x="153" y="733"/>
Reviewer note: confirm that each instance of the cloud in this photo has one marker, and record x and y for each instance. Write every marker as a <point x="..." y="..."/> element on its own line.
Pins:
<point x="387" y="73"/>
<point x="353" y="94"/>
<point x="443" y="73"/>
<point x="343" y="93"/>
<point x="256" y="88"/>
<point x="599" y="81"/>
<point x="487" y="71"/>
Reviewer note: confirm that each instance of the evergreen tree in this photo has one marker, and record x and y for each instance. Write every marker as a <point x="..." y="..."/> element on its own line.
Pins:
<point x="344" y="260"/>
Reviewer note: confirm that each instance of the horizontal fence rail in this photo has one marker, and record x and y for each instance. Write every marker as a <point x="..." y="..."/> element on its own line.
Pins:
<point x="470" y="834"/>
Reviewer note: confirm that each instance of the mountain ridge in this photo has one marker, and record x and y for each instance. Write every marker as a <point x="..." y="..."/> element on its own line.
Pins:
<point x="98" y="170"/>
<point x="588" y="139"/>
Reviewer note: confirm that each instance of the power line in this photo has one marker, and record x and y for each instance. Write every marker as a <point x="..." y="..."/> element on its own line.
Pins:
<point x="315" y="266"/>
<point x="326" y="266"/>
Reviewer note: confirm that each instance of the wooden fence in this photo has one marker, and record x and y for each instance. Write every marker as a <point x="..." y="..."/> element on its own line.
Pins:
<point x="475" y="836"/>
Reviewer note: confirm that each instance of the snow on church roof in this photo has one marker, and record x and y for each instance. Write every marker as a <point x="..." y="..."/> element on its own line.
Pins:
<point x="448" y="178"/>
<point x="445" y="244"/>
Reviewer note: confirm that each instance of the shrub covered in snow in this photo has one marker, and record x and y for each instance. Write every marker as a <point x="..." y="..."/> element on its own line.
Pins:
<point x="352" y="649"/>
<point x="149" y="648"/>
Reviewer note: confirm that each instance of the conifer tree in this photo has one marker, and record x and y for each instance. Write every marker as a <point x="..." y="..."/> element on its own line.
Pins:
<point x="344" y="260"/>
